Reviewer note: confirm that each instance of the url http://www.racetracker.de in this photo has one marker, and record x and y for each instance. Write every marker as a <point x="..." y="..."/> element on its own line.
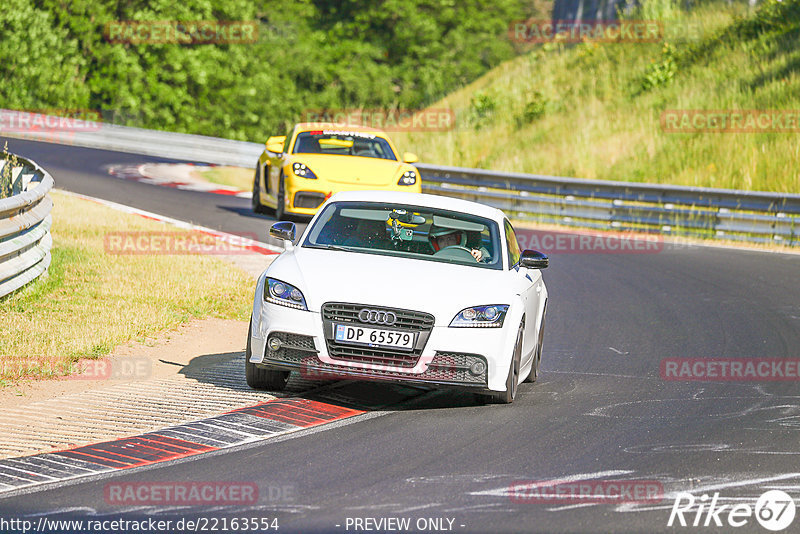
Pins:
<point x="80" y="526"/>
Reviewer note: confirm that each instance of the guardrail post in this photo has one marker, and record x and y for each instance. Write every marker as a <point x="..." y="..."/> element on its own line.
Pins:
<point x="16" y="180"/>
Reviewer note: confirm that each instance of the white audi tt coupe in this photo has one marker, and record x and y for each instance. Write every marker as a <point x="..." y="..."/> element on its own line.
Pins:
<point x="400" y="287"/>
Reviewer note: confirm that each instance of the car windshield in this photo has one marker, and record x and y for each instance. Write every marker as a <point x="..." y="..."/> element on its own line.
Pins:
<point x="342" y="143"/>
<point x="407" y="231"/>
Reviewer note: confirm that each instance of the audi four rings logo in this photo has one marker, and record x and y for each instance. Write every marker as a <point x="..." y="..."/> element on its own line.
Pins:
<point x="377" y="317"/>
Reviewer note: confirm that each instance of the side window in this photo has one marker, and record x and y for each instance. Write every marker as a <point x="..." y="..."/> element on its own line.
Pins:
<point x="513" y="245"/>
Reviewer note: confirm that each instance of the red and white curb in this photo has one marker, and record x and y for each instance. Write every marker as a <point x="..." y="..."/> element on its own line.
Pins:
<point x="231" y="429"/>
<point x="233" y="239"/>
<point x="154" y="174"/>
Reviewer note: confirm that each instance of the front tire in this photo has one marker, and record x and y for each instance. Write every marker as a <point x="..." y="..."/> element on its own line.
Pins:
<point x="512" y="381"/>
<point x="258" y="207"/>
<point x="259" y="378"/>
<point x="537" y="358"/>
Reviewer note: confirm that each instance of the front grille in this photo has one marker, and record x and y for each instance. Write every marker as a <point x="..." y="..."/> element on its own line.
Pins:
<point x="455" y="367"/>
<point x="418" y="323"/>
<point x="293" y="346"/>
<point x="348" y="313"/>
<point x="296" y="340"/>
<point x="440" y="370"/>
<point x="352" y="353"/>
<point x="306" y="199"/>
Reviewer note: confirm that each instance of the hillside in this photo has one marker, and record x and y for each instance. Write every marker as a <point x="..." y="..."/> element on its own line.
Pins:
<point x="594" y="110"/>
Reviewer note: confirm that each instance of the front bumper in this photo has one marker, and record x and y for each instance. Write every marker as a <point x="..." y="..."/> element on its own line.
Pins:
<point x="301" y="191"/>
<point x="446" y="370"/>
<point x="477" y="358"/>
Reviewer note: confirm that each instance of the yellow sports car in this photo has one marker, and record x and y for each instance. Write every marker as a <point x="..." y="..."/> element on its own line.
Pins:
<point x="298" y="172"/>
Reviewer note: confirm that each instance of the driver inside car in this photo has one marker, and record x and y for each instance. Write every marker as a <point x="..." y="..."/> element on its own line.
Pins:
<point x="450" y="237"/>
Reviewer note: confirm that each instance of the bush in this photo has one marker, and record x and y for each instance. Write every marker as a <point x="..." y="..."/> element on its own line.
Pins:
<point x="661" y="72"/>
<point x="9" y="162"/>
<point x="482" y="107"/>
<point x="534" y="109"/>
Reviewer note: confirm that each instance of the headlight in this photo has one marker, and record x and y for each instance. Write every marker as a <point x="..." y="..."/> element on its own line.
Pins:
<point x="300" y="169"/>
<point x="408" y="178"/>
<point x="481" y="317"/>
<point x="284" y="294"/>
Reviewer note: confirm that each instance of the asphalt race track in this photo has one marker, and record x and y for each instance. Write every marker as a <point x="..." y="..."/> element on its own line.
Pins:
<point x="601" y="410"/>
<point x="82" y="170"/>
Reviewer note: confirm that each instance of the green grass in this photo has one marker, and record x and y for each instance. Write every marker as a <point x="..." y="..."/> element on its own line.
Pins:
<point x="238" y="177"/>
<point x="91" y="301"/>
<point x="592" y="110"/>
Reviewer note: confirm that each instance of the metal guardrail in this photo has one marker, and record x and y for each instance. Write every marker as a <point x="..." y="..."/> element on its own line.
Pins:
<point x="624" y="206"/>
<point x="25" y="222"/>
<point x="188" y="147"/>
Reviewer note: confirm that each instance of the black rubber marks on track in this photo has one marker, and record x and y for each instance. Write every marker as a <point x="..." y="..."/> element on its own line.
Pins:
<point x="240" y="426"/>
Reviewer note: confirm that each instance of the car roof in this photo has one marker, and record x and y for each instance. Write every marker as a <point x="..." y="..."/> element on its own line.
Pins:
<point x="309" y="126"/>
<point x="422" y="200"/>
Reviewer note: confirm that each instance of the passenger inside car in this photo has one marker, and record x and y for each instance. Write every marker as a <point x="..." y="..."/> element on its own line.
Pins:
<point x="442" y="238"/>
<point x="408" y="232"/>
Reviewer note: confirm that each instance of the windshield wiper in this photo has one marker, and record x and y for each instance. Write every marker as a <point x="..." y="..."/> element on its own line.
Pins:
<point x="334" y="247"/>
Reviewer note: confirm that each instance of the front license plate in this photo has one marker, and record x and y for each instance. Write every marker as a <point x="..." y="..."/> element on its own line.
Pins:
<point x="374" y="337"/>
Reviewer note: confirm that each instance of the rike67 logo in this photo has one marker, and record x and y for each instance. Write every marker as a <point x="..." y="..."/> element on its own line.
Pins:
<point x="774" y="510"/>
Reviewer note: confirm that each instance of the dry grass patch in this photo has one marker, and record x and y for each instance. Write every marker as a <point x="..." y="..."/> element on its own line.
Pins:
<point x="92" y="300"/>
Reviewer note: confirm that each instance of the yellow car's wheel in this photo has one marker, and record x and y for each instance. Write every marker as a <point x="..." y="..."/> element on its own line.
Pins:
<point x="280" y="202"/>
<point x="258" y="207"/>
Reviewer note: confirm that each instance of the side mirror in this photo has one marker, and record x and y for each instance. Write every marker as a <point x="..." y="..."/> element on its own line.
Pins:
<point x="283" y="230"/>
<point x="410" y="157"/>
<point x="275" y="143"/>
<point x="533" y="259"/>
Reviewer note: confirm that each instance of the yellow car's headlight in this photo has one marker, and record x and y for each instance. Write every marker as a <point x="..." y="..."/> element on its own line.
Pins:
<point x="301" y="170"/>
<point x="408" y="178"/>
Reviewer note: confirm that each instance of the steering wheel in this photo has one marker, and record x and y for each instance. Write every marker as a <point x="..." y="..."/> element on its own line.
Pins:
<point x="455" y="252"/>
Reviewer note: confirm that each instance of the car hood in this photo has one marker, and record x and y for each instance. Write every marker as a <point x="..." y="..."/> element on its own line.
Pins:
<point x="439" y="288"/>
<point x="352" y="169"/>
